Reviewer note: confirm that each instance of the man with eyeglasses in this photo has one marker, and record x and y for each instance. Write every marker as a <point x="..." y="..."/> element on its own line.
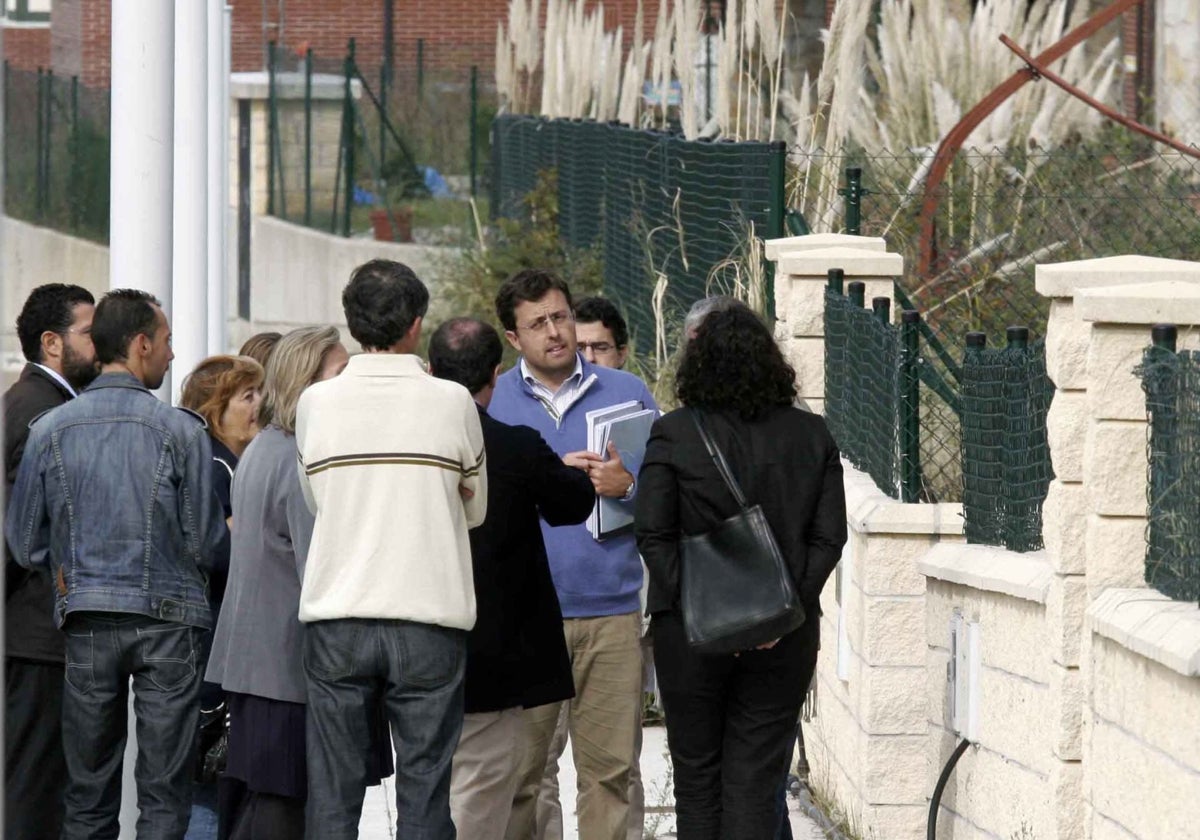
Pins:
<point x="551" y="389"/>
<point x="54" y="329"/>
<point x="602" y="334"/>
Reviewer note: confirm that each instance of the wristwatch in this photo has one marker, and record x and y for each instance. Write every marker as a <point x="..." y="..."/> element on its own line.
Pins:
<point x="629" y="491"/>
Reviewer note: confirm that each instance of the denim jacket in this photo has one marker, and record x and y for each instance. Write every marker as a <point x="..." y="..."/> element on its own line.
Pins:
<point x="114" y="499"/>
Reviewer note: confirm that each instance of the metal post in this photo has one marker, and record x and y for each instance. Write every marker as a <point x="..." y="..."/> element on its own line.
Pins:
<point x="348" y="135"/>
<point x="857" y="292"/>
<point x="420" y="69"/>
<point x="882" y="306"/>
<point x="777" y="181"/>
<point x="474" y="125"/>
<point x="853" y="192"/>
<point x="49" y="140"/>
<point x="910" y="405"/>
<point x="1164" y="336"/>
<point x="836" y="277"/>
<point x="308" y="81"/>
<point x="271" y="128"/>
<point x="42" y="142"/>
<point x="708" y="65"/>
<point x="189" y="268"/>
<point x="143" y="141"/>
<point x="383" y="118"/>
<point x="73" y="142"/>
<point x="1018" y="337"/>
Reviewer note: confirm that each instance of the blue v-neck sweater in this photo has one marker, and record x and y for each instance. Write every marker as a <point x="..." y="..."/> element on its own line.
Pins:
<point x="592" y="578"/>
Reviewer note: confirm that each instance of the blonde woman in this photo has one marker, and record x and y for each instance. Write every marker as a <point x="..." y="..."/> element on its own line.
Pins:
<point x="256" y="653"/>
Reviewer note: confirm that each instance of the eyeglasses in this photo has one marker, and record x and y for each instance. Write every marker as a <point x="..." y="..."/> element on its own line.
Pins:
<point x="597" y="346"/>
<point x="85" y="331"/>
<point x="558" y="319"/>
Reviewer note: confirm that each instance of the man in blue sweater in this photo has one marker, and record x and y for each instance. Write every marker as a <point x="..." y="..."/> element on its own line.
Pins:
<point x="551" y="389"/>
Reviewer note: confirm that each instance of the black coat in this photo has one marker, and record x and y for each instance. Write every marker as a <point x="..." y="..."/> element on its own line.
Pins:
<point x="787" y="462"/>
<point x="29" y="603"/>
<point x="516" y="654"/>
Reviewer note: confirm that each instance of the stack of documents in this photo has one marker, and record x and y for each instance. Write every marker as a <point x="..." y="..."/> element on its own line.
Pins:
<point x="627" y="427"/>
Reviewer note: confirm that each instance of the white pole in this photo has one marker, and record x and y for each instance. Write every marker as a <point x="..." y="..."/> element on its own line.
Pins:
<point x="218" y="175"/>
<point x="142" y="137"/>
<point x="189" y="315"/>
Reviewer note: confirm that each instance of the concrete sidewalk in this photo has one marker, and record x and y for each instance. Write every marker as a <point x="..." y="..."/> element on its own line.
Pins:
<point x="379" y="818"/>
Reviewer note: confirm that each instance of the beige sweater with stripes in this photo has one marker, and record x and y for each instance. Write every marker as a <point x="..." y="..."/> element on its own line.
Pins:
<point x="387" y="455"/>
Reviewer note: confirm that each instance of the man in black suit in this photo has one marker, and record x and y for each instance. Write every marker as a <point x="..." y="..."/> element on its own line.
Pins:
<point x="516" y="654"/>
<point x="54" y="328"/>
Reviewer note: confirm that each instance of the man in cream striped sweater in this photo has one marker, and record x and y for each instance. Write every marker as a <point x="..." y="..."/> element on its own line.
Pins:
<point x="392" y="465"/>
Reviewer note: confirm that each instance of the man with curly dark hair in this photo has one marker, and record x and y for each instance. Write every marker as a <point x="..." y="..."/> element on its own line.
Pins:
<point x="731" y="718"/>
<point x="393" y="468"/>
<point x="55" y="330"/>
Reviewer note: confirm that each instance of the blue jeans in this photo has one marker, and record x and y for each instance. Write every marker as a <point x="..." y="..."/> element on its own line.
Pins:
<point x="417" y="670"/>
<point x="103" y="651"/>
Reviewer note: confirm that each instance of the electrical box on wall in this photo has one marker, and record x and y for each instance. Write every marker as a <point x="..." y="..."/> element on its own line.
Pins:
<point x="963" y="676"/>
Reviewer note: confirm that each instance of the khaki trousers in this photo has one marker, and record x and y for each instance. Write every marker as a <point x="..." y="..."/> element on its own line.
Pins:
<point x="549" y="806"/>
<point x="603" y="721"/>
<point x="484" y="775"/>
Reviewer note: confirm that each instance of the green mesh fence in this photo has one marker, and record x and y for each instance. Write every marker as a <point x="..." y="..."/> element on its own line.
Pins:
<point x="1002" y="211"/>
<point x="657" y="205"/>
<point x="862" y="389"/>
<point x="349" y="145"/>
<point x="56" y="152"/>
<point x="1005" y="455"/>
<point x="1172" y="384"/>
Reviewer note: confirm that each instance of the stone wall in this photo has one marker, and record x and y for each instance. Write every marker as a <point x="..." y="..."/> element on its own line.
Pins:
<point x="1088" y="682"/>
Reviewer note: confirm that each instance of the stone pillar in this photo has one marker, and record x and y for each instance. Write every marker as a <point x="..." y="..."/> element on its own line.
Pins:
<point x="1094" y="514"/>
<point x="802" y="266"/>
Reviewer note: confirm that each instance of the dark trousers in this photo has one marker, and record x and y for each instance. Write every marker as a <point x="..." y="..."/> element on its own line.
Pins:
<point x="730" y="721"/>
<point x="418" y="671"/>
<point x="104" y="650"/>
<point x="35" y="771"/>
<point x="246" y="815"/>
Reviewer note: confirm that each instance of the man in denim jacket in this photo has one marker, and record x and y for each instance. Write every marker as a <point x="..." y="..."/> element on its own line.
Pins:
<point x="114" y="501"/>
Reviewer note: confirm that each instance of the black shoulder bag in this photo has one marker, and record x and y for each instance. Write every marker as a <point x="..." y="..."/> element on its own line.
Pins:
<point x="736" y="589"/>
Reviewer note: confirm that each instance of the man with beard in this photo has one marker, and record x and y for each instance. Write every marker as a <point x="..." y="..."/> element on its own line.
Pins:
<point x="54" y="328"/>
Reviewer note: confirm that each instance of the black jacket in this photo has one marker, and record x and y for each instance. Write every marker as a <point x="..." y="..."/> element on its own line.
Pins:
<point x="29" y="604"/>
<point x="787" y="462"/>
<point x="516" y="654"/>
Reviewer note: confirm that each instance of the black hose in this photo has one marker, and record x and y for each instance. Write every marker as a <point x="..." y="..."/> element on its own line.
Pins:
<point x="931" y="833"/>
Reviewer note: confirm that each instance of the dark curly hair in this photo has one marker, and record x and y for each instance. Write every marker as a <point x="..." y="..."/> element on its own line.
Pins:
<point x="382" y="301"/>
<point x="48" y="308"/>
<point x="734" y="364"/>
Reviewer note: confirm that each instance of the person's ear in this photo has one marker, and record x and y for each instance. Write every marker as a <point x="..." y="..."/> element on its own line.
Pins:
<point x="496" y="374"/>
<point x="414" y="332"/>
<point x="622" y="355"/>
<point x="52" y="345"/>
<point x="511" y="335"/>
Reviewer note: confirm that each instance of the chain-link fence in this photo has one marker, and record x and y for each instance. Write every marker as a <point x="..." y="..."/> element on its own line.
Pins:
<point x="1000" y="213"/>
<point x="56" y="152"/>
<point x="662" y="209"/>
<point x="1172" y="384"/>
<point x="1005" y="454"/>
<point x="353" y="148"/>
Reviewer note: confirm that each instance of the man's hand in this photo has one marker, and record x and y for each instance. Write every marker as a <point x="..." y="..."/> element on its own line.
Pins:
<point x="610" y="478"/>
<point x="466" y="492"/>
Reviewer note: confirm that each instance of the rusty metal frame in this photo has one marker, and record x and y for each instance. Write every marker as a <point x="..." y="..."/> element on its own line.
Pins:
<point x="958" y="135"/>
<point x="1038" y="71"/>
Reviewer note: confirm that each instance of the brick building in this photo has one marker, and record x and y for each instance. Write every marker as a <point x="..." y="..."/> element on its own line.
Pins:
<point x="72" y="36"/>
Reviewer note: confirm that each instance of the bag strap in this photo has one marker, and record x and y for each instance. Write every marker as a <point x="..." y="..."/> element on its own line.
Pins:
<point x="719" y="459"/>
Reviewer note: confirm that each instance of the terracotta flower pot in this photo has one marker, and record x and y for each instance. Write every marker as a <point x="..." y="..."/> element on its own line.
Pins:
<point x="381" y="224"/>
